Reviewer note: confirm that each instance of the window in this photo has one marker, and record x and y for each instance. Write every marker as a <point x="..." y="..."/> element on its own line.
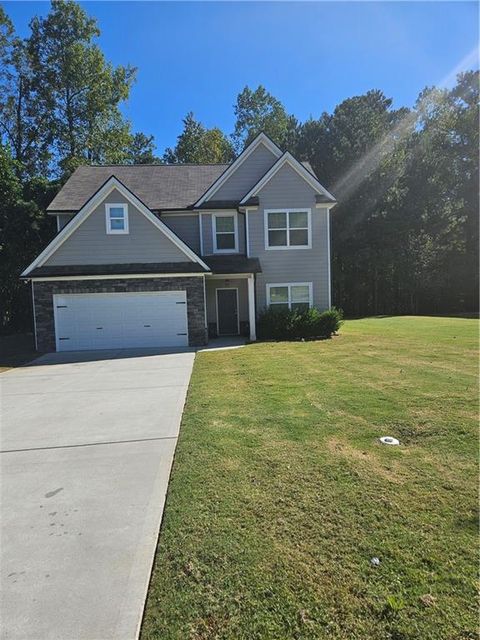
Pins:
<point x="116" y="218"/>
<point x="288" y="229"/>
<point x="224" y="233"/>
<point x="295" y="295"/>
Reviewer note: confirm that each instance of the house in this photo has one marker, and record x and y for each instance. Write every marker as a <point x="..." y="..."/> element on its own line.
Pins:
<point x="170" y="255"/>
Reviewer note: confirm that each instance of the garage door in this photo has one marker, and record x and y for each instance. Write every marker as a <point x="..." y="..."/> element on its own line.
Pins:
<point x="120" y="320"/>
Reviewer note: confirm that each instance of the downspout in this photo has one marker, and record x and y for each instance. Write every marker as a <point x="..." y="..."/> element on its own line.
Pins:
<point x="245" y="228"/>
<point x="34" y="317"/>
<point x="329" y="258"/>
<point x="205" y="307"/>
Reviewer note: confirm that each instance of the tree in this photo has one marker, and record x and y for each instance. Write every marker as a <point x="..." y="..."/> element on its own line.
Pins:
<point x="24" y="228"/>
<point x="141" y="150"/>
<point x="24" y="105"/>
<point x="197" y="144"/>
<point x="313" y="144"/>
<point x="443" y="191"/>
<point x="84" y="90"/>
<point x="405" y="231"/>
<point x="358" y="154"/>
<point x="59" y="98"/>
<point x="257" y="111"/>
<point x="465" y="97"/>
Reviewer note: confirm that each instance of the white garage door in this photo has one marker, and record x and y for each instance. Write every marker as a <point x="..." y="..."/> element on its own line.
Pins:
<point x="120" y="320"/>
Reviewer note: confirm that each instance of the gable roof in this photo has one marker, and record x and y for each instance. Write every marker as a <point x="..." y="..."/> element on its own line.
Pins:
<point x="111" y="183"/>
<point x="161" y="186"/>
<point x="262" y="138"/>
<point x="300" y="168"/>
<point x="164" y="187"/>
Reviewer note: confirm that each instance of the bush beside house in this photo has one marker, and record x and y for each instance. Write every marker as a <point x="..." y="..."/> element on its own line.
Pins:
<point x="295" y="324"/>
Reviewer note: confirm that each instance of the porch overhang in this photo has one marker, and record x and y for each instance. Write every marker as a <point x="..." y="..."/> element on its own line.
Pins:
<point x="251" y="203"/>
<point x="232" y="265"/>
<point x="235" y="267"/>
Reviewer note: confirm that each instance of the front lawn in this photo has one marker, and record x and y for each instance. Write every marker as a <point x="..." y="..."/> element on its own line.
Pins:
<point x="281" y="493"/>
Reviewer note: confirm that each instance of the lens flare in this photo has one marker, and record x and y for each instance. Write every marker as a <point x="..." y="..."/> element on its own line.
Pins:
<point x="347" y="184"/>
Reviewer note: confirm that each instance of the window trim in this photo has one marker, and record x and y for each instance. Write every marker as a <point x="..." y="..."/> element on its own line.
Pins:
<point x="225" y="214"/>
<point x="289" y="285"/>
<point x="113" y="205"/>
<point x="288" y="246"/>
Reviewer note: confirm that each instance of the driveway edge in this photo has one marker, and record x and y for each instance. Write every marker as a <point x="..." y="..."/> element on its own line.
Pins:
<point x="131" y="617"/>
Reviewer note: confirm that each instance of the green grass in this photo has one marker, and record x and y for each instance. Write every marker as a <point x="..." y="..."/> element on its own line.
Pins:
<point x="281" y="493"/>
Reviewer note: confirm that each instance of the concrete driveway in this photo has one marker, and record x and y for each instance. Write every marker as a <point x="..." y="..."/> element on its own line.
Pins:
<point x="87" y="445"/>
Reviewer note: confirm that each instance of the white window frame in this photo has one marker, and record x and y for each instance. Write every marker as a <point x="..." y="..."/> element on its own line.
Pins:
<point x="288" y="228"/>
<point x="289" y="285"/>
<point x="112" y="205"/>
<point x="225" y="214"/>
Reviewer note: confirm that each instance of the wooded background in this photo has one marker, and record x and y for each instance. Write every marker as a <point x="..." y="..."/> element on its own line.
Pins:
<point x="405" y="231"/>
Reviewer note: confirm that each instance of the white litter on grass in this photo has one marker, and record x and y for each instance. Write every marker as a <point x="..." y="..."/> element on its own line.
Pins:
<point x="389" y="440"/>
<point x="375" y="561"/>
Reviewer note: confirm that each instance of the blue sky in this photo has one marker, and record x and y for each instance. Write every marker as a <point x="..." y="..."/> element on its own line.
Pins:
<point x="311" y="55"/>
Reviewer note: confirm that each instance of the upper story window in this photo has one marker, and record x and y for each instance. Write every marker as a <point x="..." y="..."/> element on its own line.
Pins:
<point x="225" y="236"/>
<point x="116" y="218"/>
<point x="288" y="229"/>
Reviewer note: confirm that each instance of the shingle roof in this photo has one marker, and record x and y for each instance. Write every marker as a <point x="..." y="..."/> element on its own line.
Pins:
<point x="162" y="186"/>
<point x="218" y="264"/>
<point x="319" y="198"/>
<point x="233" y="264"/>
<point x="115" y="269"/>
<point x="159" y="186"/>
<point x="226" y="204"/>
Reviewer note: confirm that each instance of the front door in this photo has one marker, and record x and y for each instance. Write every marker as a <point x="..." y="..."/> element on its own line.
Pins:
<point x="227" y="312"/>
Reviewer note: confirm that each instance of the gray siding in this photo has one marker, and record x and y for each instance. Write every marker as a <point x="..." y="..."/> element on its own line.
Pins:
<point x="207" y="230"/>
<point x="186" y="228"/>
<point x="90" y="243"/>
<point x="241" y="233"/>
<point x="288" y="190"/>
<point x="247" y="174"/>
<point x="63" y="219"/>
<point x="207" y="238"/>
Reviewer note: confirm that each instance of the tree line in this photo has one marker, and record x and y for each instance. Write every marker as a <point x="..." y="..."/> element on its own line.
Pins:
<point x="405" y="231"/>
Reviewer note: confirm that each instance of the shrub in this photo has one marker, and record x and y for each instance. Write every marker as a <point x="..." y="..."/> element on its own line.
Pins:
<point x="292" y="324"/>
<point x="331" y="321"/>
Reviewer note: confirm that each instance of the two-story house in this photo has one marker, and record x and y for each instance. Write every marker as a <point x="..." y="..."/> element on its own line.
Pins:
<point x="170" y="255"/>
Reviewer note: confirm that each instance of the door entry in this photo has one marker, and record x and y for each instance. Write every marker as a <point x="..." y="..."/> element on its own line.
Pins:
<point x="227" y="312"/>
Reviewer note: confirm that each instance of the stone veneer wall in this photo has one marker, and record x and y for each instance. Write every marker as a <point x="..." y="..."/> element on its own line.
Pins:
<point x="44" y="291"/>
